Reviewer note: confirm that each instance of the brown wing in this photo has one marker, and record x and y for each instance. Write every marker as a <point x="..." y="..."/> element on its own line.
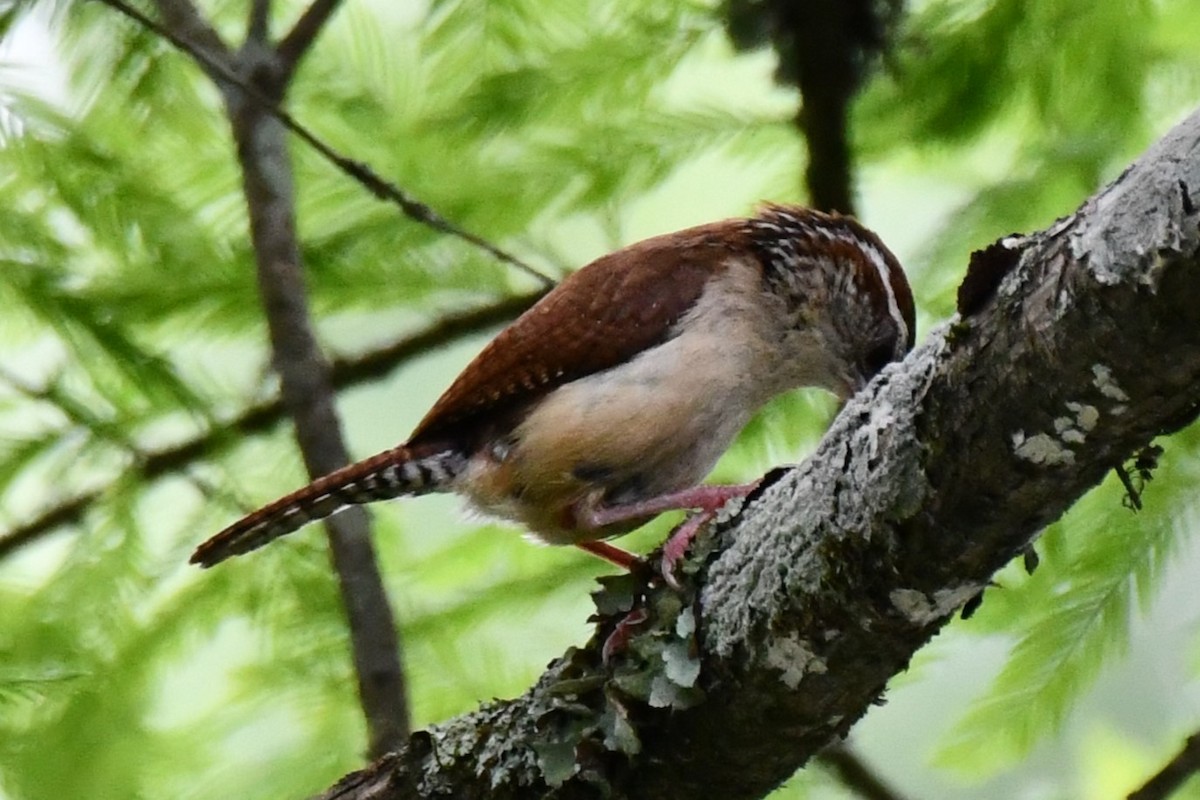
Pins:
<point x="600" y="316"/>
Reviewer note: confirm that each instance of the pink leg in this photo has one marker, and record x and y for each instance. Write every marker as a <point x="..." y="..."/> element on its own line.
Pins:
<point x="612" y="554"/>
<point x="707" y="500"/>
<point x="700" y="498"/>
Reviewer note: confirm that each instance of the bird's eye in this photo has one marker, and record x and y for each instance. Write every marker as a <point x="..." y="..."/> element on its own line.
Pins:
<point x="879" y="357"/>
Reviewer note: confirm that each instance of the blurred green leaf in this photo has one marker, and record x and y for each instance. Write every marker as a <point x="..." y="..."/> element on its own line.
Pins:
<point x="1071" y="618"/>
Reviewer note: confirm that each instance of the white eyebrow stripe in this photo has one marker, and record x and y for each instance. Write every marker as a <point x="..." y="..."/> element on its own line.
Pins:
<point x="880" y="263"/>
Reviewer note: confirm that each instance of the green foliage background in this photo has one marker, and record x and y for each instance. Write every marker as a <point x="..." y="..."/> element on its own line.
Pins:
<point x="129" y="321"/>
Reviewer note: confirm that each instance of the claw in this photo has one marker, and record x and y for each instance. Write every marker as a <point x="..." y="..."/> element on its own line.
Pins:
<point x="677" y="544"/>
<point x="618" y="640"/>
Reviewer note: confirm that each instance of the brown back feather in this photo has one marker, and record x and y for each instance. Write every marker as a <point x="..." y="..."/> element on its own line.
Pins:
<point x="600" y="316"/>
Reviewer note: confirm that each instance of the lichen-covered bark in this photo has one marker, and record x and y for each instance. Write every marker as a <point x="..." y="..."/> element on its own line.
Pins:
<point x="1083" y="343"/>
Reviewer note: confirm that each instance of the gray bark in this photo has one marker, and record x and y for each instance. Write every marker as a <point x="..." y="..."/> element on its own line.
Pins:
<point x="1082" y="345"/>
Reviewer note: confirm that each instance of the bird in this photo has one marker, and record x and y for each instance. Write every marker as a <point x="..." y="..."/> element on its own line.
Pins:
<point x="609" y="400"/>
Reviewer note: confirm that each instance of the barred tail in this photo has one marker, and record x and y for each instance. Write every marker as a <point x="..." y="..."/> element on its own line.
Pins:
<point x="392" y="473"/>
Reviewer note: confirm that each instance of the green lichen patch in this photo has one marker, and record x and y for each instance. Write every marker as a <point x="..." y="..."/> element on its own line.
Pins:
<point x="599" y="713"/>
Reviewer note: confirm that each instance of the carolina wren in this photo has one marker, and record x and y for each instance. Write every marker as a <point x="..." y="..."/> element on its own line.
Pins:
<point x="608" y="401"/>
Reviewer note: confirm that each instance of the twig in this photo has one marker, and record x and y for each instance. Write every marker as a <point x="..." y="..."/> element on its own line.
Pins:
<point x="855" y="775"/>
<point x="65" y="513"/>
<point x="258" y="29"/>
<point x="411" y="207"/>
<point x="1132" y="496"/>
<point x="103" y="429"/>
<point x="182" y="16"/>
<point x="296" y="43"/>
<point x="1172" y="776"/>
<point x="262" y="417"/>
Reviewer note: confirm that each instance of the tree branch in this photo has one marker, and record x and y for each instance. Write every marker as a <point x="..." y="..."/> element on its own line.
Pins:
<point x="253" y="86"/>
<point x="823" y="60"/>
<point x="855" y="774"/>
<point x="1081" y="343"/>
<point x="307" y="391"/>
<point x="295" y="45"/>
<point x="826" y="49"/>
<point x="229" y="79"/>
<point x="263" y="417"/>
<point x="258" y="27"/>
<point x="1174" y="774"/>
<point x="185" y="21"/>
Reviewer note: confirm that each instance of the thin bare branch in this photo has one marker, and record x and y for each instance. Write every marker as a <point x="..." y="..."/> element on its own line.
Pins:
<point x="183" y="18"/>
<point x="261" y="418"/>
<point x="826" y="48"/>
<point x="823" y="61"/>
<point x="362" y="173"/>
<point x="68" y="512"/>
<point x="258" y="28"/>
<point x="307" y="389"/>
<point x="1174" y="774"/>
<point x="296" y="43"/>
<point x="855" y="774"/>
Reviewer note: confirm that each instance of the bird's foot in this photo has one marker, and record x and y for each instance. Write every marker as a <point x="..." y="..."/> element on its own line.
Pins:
<point x="677" y="544"/>
<point x="622" y="632"/>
